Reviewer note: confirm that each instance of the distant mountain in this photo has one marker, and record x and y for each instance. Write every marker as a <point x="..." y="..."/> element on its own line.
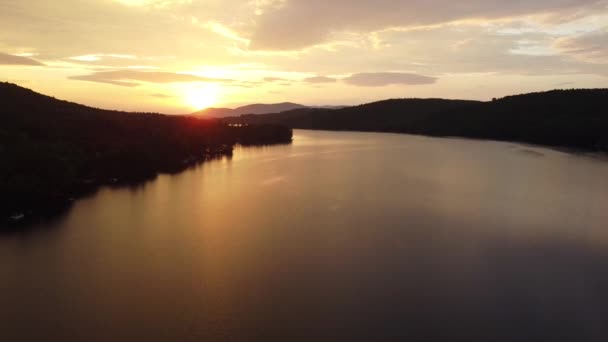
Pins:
<point x="329" y="107"/>
<point x="214" y="113"/>
<point x="375" y="116"/>
<point x="575" y="118"/>
<point x="249" y="109"/>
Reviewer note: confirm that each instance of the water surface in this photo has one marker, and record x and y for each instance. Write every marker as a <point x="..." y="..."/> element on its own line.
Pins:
<point x="338" y="236"/>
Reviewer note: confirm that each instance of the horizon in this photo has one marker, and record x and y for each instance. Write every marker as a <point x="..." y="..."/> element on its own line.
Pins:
<point x="232" y="107"/>
<point x="200" y="54"/>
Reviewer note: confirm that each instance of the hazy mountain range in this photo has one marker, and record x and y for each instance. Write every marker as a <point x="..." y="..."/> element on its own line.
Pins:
<point x="257" y="108"/>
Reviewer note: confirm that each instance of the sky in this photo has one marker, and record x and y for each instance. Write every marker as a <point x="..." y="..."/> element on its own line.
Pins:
<point x="176" y="56"/>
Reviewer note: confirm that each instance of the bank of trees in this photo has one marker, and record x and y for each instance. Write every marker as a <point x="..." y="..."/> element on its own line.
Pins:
<point x="51" y="150"/>
<point x="575" y="118"/>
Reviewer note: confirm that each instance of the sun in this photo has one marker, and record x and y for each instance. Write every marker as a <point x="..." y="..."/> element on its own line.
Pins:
<point x="201" y="97"/>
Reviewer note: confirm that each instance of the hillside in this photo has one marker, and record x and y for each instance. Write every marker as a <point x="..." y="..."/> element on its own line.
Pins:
<point x="249" y="109"/>
<point x="376" y="116"/>
<point x="566" y="118"/>
<point x="52" y="149"/>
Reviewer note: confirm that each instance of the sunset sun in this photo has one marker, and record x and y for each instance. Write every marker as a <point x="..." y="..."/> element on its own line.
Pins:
<point x="201" y="97"/>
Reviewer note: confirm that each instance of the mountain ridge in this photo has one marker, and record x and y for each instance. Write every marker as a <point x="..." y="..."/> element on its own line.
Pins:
<point x="256" y="108"/>
<point x="572" y="118"/>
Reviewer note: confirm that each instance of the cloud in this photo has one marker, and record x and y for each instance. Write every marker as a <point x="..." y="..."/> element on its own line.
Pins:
<point x="95" y="78"/>
<point x="225" y="32"/>
<point x="274" y="79"/>
<point x="129" y="78"/>
<point x="68" y="28"/>
<point x="302" y="23"/>
<point x="108" y="61"/>
<point x="591" y="48"/>
<point x="246" y="84"/>
<point x="7" y="59"/>
<point x="380" y="79"/>
<point x="162" y="96"/>
<point x="320" y="79"/>
<point x="508" y="48"/>
<point x="98" y="57"/>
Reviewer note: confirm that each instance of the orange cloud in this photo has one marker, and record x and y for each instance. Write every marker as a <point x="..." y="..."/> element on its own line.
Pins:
<point x="129" y="78"/>
<point x="380" y="79"/>
<point x="7" y="59"/>
<point x="320" y="79"/>
<point x="302" y="23"/>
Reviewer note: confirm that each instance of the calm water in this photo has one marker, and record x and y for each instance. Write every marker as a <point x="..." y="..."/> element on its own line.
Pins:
<point x="339" y="236"/>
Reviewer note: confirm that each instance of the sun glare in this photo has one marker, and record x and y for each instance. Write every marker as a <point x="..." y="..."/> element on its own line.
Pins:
<point x="202" y="97"/>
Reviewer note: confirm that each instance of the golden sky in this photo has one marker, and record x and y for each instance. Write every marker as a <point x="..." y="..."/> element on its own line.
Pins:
<point x="175" y="56"/>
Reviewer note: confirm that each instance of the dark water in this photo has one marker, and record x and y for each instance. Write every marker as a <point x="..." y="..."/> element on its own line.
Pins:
<point x="340" y="236"/>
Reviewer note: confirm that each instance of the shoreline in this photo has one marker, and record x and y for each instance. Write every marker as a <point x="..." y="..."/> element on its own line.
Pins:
<point x="595" y="153"/>
<point x="61" y="203"/>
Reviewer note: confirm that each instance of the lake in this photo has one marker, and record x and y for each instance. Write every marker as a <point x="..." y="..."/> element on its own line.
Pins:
<point x="338" y="236"/>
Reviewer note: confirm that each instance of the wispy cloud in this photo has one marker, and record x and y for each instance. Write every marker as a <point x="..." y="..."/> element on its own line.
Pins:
<point x="162" y="96"/>
<point x="274" y="79"/>
<point x="301" y="23"/>
<point x="8" y="59"/>
<point x="320" y="79"/>
<point x="98" y="57"/>
<point x="131" y="78"/>
<point x="591" y="47"/>
<point x="380" y="79"/>
<point x="225" y="32"/>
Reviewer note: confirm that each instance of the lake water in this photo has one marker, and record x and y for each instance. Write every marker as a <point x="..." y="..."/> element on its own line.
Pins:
<point x="338" y="236"/>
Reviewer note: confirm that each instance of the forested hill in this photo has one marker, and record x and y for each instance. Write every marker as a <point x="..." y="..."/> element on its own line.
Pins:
<point x="51" y="149"/>
<point x="566" y="118"/>
<point x="376" y="116"/>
